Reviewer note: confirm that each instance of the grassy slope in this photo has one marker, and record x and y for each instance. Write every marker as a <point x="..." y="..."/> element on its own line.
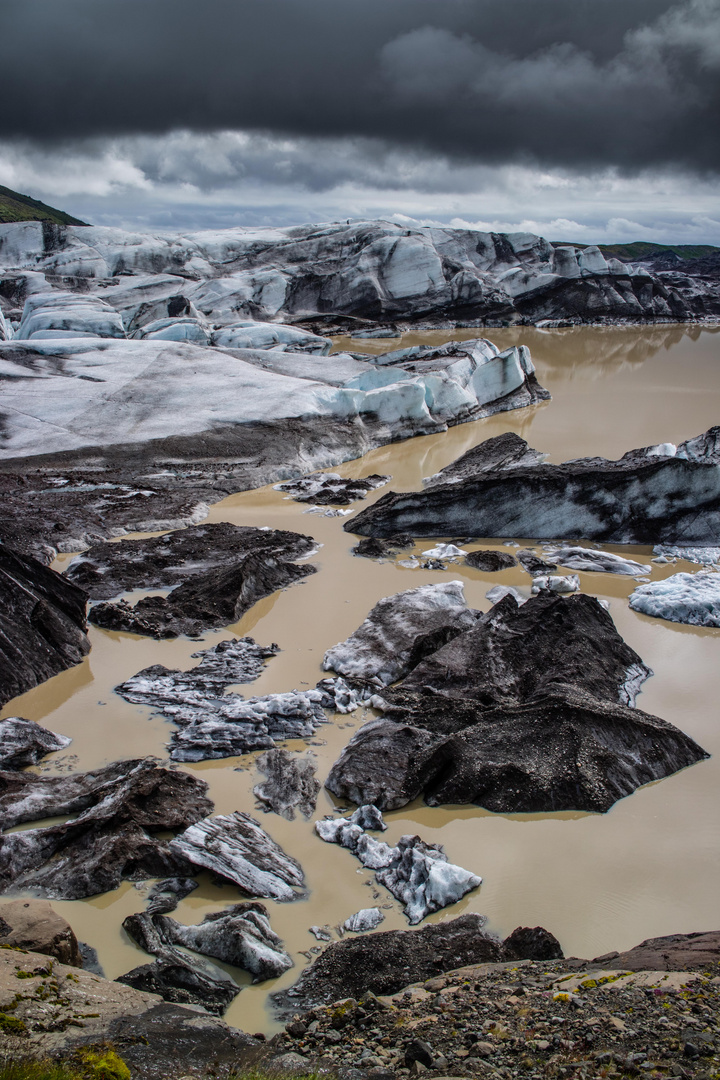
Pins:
<point x="16" y="207"/>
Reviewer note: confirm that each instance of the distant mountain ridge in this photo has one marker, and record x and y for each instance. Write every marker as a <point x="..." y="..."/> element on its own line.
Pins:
<point x="17" y="207"/>
<point x="640" y="250"/>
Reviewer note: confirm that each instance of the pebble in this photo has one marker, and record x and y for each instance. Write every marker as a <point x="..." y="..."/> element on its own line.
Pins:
<point x="518" y="1022"/>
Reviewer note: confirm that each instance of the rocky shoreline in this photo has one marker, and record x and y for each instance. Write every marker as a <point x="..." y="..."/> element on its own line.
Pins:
<point x="652" y="1011"/>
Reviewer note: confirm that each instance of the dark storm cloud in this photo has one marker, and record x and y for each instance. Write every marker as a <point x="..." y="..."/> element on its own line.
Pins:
<point x="570" y="83"/>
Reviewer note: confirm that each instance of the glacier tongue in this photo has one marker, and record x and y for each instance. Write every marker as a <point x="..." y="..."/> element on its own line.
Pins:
<point x="136" y="391"/>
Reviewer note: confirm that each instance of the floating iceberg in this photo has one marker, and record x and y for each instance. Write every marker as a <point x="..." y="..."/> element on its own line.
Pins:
<point x="682" y="598"/>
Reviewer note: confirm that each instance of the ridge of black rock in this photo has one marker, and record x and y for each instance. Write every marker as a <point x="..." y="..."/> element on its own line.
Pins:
<point x="164" y="562"/>
<point x="388" y="961"/>
<point x="118" y="808"/>
<point x="42" y="623"/>
<point x="657" y="494"/>
<point x="529" y="711"/>
<point x="247" y="564"/>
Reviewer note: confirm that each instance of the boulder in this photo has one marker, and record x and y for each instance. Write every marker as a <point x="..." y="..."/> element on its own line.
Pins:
<point x="489" y="562"/>
<point x="532" y="943"/>
<point x="530" y="711"/>
<point x="42" y="624"/>
<point x="118" y="809"/>
<point x="657" y="494"/>
<point x="149" y="1035"/>
<point x="23" y="742"/>
<point x="34" y="925"/>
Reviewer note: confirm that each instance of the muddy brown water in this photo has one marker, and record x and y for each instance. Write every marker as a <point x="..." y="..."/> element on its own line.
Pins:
<point x="599" y="882"/>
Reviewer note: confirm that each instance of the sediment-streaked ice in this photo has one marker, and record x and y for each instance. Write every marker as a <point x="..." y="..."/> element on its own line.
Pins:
<point x="382" y="649"/>
<point x="417" y="874"/>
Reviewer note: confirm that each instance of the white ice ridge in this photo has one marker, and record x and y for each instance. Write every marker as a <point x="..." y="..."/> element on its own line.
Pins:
<point x="266" y="272"/>
<point x="444" y="551"/>
<point x="556" y="583"/>
<point x="416" y="873"/>
<point x="76" y="391"/>
<point x="605" y="562"/>
<point x="380" y="651"/>
<point x="705" y="556"/>
<point x="682" y="598"/>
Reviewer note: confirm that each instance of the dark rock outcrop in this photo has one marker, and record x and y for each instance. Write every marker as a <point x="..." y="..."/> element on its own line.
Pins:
<point x="388" y="961"/>
<point x="118" y="808"/>
<point x="331" y="489"/>
<point x="656" y="494"/>
<point x="676" y="952"/>
<point x="164" y="562"/>
<point x="212" y="599"/>
<point x="489" y="562"/>
<point x="290" y="782"/>
<point x="23" y="742"/>
<point x="42" y="624"/>
<point x="529" y="711"/>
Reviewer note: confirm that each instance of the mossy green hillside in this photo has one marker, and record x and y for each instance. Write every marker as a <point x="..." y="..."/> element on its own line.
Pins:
<point x="17" y="207"/>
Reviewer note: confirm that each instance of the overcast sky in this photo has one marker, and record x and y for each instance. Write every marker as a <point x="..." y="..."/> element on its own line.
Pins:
<point x="580" y="120"/>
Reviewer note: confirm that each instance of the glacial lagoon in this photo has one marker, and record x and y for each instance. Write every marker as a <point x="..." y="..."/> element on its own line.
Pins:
<point x="648" y="867"/>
